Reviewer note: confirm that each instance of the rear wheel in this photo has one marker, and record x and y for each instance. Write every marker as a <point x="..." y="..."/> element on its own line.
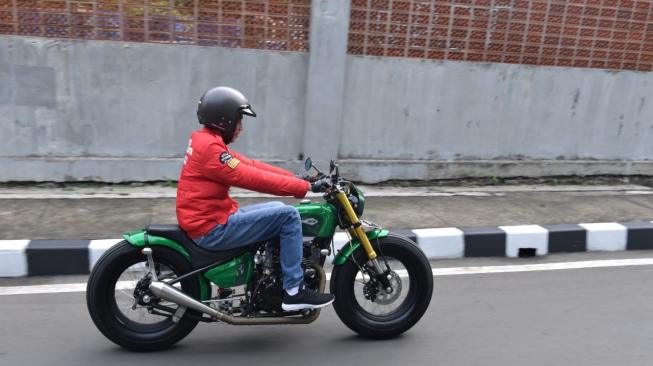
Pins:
<point x="112" y="298"/>
<point x="363" y="303"/>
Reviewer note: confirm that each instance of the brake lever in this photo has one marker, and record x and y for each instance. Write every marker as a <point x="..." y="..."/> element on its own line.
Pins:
<point x="311" y="178"/>
<point x="317" y="177"/>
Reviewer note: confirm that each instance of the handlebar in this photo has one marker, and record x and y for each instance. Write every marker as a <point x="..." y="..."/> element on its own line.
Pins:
<point x="333" y="176"/>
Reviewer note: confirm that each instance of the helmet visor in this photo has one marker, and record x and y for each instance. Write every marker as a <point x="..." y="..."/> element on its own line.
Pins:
<point x="247" y="109"/>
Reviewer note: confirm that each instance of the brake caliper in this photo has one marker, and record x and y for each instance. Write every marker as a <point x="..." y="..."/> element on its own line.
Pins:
<point x="142" y="295"/>
<point x="371" y="289"/>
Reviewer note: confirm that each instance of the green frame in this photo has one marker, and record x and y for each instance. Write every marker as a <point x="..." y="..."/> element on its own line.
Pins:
<point x="137" y="239"/>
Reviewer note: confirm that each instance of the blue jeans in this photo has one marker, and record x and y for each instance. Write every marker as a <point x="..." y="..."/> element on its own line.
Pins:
<point x="259" y="222"/>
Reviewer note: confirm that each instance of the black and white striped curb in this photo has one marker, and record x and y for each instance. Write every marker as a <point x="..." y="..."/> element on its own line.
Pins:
<point x="59" y="257"/>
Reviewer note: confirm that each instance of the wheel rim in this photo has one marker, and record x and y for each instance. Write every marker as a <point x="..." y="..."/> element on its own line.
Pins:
<point x="122" y="298"/>
<point x="385" y="305"/>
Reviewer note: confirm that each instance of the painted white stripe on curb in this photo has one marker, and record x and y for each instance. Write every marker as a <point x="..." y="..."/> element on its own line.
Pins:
<point x="97" y="247"/>
<point x="454" y="271"/>
<point x="607" y="236"/>
<point x="526" y="236"/>
<point x="446" y="242"/>
<point x="13" y="258"/>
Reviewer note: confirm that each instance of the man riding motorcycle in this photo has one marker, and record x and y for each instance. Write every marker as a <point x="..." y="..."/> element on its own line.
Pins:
<point x="213" y="219"/>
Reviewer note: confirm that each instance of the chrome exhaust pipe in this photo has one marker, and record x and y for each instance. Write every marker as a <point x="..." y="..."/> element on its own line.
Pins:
<point x="167" y="292"/>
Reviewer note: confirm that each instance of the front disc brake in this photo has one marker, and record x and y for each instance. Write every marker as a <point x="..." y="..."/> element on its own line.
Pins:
<point x="384" y="298"/>
<point x="371" y="289"/>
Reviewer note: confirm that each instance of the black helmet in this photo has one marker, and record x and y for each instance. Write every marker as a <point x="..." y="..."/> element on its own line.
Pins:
<point x="220" y="108"/>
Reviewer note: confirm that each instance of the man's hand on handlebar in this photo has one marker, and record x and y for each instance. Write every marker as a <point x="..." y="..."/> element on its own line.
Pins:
<point x="321" y="185"/>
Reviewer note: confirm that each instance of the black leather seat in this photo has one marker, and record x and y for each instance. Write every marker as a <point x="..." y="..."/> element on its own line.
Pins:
<point x="199" y="257"/>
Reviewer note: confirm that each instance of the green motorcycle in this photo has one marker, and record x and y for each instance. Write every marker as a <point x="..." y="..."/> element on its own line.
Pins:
<point x="150" y="290"/>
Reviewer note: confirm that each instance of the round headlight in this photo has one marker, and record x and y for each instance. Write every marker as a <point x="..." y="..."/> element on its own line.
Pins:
<point x="357" y="200"/>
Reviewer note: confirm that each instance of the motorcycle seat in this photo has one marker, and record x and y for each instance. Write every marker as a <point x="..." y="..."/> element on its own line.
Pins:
<point x="199" y="256"/>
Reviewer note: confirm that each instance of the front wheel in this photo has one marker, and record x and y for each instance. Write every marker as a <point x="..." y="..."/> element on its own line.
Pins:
<point x="364" y="304"/>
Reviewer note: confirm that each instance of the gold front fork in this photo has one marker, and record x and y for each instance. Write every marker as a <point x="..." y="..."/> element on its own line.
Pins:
<point x="358" y="229"/>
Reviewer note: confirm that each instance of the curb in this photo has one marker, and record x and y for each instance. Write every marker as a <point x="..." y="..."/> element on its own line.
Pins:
<point x="20" y="258"/>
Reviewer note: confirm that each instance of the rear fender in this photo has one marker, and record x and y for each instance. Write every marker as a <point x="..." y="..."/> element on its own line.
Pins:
<point x="142" y="239"/>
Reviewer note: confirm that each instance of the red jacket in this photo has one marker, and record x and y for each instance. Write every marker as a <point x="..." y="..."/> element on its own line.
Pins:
<point x="209" y="169"/>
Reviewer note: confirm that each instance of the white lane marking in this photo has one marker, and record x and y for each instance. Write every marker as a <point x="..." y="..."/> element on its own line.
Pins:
<point x="43" y="289"/>
<point x="543" y="267"/>
<point x="57" y="288"/>
<point x="454" y="271"/>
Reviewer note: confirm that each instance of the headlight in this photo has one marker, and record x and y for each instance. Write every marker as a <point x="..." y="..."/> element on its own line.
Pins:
<point x="357" y="200"/>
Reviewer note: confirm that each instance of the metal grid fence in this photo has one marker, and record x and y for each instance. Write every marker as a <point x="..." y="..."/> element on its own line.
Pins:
<point x="272" y="25"/>
<point x="613" y="34"/>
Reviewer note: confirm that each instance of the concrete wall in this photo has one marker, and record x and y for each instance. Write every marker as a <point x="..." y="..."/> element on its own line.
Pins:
<point x="110" y="99"/>
<point x="426" y="110"/>
<point x="111" y="111"/>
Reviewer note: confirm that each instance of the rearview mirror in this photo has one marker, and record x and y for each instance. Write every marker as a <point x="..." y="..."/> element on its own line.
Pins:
<point x="308" y="164"/>
<point x="334" y="168"/>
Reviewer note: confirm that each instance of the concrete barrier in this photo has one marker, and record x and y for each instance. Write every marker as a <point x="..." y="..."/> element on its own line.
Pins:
<point x="20" y="258"/>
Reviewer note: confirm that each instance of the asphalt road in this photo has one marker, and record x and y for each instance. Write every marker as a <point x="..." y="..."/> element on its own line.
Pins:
<point x="599" y="316"/>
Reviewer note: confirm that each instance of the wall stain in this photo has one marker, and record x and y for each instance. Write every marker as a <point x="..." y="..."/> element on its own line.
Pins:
<point x="51" y="44"/>
<point x="576" y="99"/>
<point x="21" y="124"/>
<point x="573" y="107"/>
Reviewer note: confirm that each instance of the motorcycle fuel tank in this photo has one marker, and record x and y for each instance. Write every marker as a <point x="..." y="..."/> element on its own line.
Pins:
<point x="318" y="219"/>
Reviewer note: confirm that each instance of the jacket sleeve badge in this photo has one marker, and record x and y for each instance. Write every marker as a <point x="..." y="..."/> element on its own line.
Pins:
<point x="226" y="158"/>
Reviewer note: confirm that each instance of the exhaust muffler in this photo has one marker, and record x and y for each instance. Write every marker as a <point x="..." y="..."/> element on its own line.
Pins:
<point x="167" y="292"/>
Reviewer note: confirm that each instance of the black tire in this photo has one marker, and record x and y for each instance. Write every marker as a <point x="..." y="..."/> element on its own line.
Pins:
<point x="408" y="312"/>
<point x="103" y="308"/>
